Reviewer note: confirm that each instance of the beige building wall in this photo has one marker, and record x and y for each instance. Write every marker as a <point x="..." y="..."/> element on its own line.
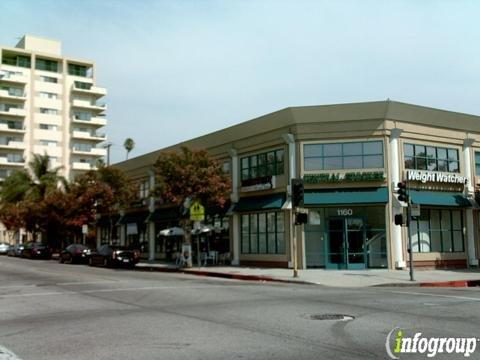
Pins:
<point x="40" y="107"/>
<point x="346" y="123"/>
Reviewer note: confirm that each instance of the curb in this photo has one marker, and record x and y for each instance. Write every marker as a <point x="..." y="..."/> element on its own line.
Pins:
<point x="243" y="277"/>
<point x="262" y="278"/>
<point x="456" y="283"/>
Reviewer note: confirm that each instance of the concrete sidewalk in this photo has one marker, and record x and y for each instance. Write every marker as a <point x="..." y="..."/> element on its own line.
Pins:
<point x="334" y="278"/>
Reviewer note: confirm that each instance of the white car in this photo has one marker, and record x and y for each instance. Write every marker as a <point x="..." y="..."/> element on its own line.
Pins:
<point x="4" y="248"/>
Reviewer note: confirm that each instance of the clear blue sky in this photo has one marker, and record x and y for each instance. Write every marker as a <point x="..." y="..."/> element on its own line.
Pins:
<point x="179" y="69"/>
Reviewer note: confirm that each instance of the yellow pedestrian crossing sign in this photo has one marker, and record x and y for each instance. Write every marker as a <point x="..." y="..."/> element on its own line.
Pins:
<point x="197" y="212"/>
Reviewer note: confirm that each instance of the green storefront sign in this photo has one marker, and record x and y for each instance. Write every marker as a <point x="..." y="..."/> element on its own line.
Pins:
<point x="347" y="177"/>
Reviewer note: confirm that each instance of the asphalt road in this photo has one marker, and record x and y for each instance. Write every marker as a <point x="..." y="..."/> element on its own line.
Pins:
<point x="55" y="311"/>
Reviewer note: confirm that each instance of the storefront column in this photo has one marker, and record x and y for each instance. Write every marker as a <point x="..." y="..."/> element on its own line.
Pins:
<point x="292" y="173"/>
<point x="235" y="217"/>
<point x="151" y="240"/>
<point x="236" y="239"/>
<point x="123" y="235"/>
<point x="470" y="236"/>
<point x="151" y="209"/>
<point x="99" y="236"/>
<point x="397" y="244"/>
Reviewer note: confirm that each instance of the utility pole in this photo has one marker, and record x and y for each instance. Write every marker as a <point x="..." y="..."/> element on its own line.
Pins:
<point x="107" y="146"/>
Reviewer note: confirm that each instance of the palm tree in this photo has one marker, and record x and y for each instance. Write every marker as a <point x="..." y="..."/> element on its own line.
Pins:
<point x="26" y="189"/>
<point x="32" y="183"/>
<point x="129" y="144"/>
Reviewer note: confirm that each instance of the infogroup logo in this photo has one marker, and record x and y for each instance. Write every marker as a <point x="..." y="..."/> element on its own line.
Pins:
<point x="397" y="343"/>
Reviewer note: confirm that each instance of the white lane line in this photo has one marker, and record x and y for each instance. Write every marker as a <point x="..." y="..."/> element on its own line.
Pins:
<point x="85" y="283"/>
<point x="6" y="354"/>
<point x="146" y="288"/>
<point x="436" y="295"/>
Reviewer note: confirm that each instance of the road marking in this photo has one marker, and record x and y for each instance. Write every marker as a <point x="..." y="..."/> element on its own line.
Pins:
<point x="6" y="354"/>
<point x="146" y="288"/>
<point x="436" y="295"/>
<point x="85" y="283"/>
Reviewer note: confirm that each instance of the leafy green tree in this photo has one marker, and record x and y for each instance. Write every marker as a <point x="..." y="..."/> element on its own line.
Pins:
<point x="194" y="175"/>
<point x="23" y="193"/>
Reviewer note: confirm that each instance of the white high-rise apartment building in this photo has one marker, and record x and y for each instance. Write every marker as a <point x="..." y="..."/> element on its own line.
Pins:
<point x="49" y="104"/>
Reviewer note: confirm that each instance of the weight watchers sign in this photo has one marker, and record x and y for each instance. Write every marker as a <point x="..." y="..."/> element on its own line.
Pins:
<point x="427" y="176"/>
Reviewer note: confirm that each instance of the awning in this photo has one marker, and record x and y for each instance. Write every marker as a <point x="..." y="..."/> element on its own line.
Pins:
<point x="104" y="220"/>
<point x="346" y="196"/>
<point x="258" y="203"/>
<point x="136" y="217"/>
<point x="160" y="215"/>
<point x="439" y="198"/>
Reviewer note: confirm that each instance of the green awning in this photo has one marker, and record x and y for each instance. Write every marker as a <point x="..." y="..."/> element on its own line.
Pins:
<point x="439" y="198"/>
<point x="135" y="217"/>
<point x="346" y="196"/>
<point x="160" y="215"/>
<point x="258" y="203"/>
<point x="105" y="220"/>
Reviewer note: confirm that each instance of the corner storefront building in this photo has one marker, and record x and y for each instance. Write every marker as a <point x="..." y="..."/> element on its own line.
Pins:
<point x="351" y="156"/>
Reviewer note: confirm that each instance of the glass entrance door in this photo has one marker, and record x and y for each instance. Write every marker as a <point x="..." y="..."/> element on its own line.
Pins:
<point x="346" y="243"/>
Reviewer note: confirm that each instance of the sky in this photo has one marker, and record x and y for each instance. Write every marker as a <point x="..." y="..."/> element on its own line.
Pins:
<point x="175" y="70"/>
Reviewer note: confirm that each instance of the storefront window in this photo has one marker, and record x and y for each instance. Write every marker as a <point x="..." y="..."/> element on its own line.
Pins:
<point x="263" y="233"/>
<point x="477" y="163"/>
<point x="438" y="231"/>
<point x="351" y="155"/>
<point x="346" y="237"/>
<point x="432" y="158"/>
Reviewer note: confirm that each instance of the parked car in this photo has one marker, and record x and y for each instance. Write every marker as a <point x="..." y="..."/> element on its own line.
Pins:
<point x="15" y="250"/>
<point x="35" y="250"/>
<point x="4" y="248"/>
<point x="75" y="253"/>
<point x="111" y="255"/>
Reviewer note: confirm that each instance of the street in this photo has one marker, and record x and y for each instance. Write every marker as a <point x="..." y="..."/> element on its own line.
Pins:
<point x="55" y="311"/>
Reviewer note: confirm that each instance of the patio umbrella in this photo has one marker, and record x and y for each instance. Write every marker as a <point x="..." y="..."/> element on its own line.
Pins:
<point x="174" y="231"/>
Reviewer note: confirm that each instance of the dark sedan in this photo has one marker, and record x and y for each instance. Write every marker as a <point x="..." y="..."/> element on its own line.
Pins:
<point x="75" y="253"/>
<point x="109" y="255"/>
<point x="35" y="250"/>
<point x="15" y="250"/>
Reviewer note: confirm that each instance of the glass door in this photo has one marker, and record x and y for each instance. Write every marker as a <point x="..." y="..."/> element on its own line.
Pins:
<point x="336" y="244"/>
<point x="355" y="240"/>
<point x="346" y="243"/>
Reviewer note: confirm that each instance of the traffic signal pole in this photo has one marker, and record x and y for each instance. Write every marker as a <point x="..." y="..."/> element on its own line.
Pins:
<point x="403" y="191"/>
<point x="295" y="262"/>
<point x="409" y="218"/>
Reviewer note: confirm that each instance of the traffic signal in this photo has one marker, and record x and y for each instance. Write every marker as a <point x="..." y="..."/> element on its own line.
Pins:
<point x="402" y="191"/>
<point x="297" y="192"/>
<point x="398" y="219"/>
<point x="301" y="218"/>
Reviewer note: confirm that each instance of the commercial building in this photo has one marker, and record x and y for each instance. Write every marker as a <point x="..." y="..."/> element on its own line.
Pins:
<point x="351" y="156"/>
<point x="49" y="104"/>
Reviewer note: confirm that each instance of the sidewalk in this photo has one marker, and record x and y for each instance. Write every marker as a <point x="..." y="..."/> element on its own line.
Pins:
<point x="334" y="278"/>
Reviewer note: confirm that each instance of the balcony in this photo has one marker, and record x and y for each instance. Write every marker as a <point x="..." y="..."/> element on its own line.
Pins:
<point x="91" y="105"/>
<point x="82" y="166"/>
<point x="88" y="135"/>
<point x="11" y="111"/>
<point x="93" y="151"/>
<point x="4" y="174"/>
<point x="13" y="78"/>
<point x="6" y="128"/>
<point x="13" y="145"/>
<point x="5" y="161"/>
<point x="95" y="120"/>
<point x="96" y="91"/>
<point x="5" y="94"/>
